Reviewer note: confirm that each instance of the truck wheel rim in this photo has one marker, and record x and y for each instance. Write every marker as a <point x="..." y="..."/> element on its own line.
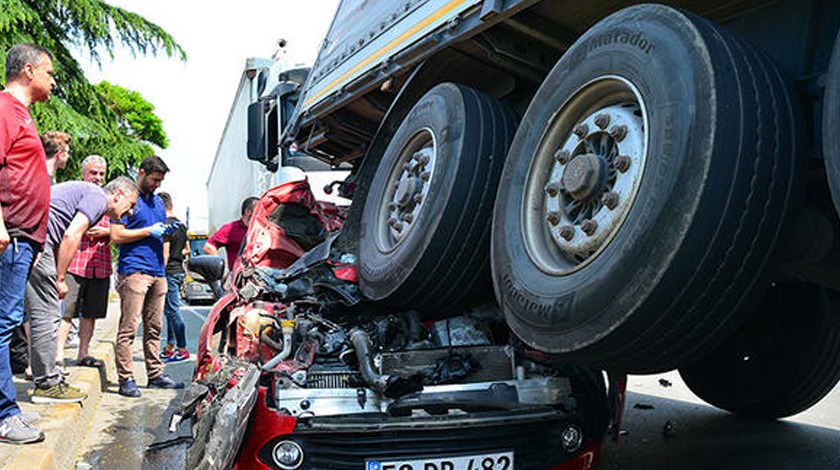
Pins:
<point x="407" y="190"/>
<point x="585" y="175"/>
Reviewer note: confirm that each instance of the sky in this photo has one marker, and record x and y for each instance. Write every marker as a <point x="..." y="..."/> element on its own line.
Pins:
<point x="193" y="98"/>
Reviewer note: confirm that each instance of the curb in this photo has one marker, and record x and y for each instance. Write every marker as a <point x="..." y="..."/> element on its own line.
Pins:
<point x="64" y="424"/>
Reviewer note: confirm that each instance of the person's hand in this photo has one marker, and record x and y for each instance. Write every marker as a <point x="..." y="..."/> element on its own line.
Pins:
<point x="157" y="230"/>
<point x="98" y="232"/>
<point x="171" y="228"/>
<point x="5" y="239"/>
<point x="62" y="288"/>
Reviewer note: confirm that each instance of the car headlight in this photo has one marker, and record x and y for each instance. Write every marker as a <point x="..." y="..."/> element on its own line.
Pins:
<point x="288" y="455"/>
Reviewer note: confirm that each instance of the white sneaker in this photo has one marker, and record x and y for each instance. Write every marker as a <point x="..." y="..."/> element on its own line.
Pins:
<point x="30" y="417"/>
<point x="14" y="430"/>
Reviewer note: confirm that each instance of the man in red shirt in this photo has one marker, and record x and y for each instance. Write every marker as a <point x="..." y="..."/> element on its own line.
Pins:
<point x="231" y="235"/>
<point x="24" y="205"/>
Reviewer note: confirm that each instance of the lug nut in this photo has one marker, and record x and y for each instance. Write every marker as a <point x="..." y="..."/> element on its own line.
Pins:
<point x="618" y="132"/>
<point x="424" y="159"/>
<point x="398" y="226"/>
<point x="610" y="200"/>
<point x="562" y="156"/>
<point x="553" y="218"/>
<point x="392" y="206"/>
<point x="425" y="176"/>
<point x="552" y="189"/>
<point x="581" y="131"/>
<point x="567" y="232"/>
<point x="392" y="221"/>
<point x="602" y="120"/>
<point x="589" y="226"/>
<point x="408" y="217"/>
<point x="622" y="163"/>
<point x="418" y="198"/>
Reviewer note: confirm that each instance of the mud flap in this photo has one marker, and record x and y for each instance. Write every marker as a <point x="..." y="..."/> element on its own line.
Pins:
<point x="219" y="432"/>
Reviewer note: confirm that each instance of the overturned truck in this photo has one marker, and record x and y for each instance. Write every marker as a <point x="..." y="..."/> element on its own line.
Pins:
<point x="626" y="187"/>
<point x="649" y="186"/>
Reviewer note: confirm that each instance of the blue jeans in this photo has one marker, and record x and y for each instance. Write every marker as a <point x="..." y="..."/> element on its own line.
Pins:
<point x="175" y="333"/>
<point x="15" y="262"/>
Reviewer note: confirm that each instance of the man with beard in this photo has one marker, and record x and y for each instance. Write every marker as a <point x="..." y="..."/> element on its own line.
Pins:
<point x="142" y="280"/>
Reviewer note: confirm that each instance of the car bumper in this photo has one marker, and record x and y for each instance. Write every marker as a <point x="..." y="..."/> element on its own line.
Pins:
<point x="535" y="436"/>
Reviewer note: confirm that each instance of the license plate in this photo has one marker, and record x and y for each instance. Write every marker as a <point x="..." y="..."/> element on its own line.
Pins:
<point x="496" y="461"/>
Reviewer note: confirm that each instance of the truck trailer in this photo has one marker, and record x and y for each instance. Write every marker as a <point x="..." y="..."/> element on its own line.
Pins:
<point x="232" y="178"/>
<point x="637" y="187"/>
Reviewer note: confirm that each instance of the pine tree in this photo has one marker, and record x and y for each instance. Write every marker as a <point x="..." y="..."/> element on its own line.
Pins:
<point x="104" y="119"/>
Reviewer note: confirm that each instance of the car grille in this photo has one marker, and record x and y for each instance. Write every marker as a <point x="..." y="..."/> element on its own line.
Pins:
<point x="331" y="380"/>
<point x="345" y="443"/>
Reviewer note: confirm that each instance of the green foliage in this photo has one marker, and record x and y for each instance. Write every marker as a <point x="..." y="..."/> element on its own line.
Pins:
<point x="138" y="118"/>
<point x="105" y="119"/>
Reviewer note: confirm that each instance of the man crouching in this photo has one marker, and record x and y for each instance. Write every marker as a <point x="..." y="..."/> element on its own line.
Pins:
<point x="74" y="207"/>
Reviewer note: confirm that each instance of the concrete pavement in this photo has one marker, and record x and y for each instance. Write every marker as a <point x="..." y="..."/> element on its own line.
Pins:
<point x="64" y="424"/>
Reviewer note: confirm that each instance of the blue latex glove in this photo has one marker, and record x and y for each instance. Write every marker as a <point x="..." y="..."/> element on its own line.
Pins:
<point x="157" y="229"/>
<point x="171" y="228"/>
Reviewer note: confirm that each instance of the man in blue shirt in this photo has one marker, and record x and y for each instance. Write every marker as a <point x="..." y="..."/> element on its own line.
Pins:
<point x="142" y="281"/>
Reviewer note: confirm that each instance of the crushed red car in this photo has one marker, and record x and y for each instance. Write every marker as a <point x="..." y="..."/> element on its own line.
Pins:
<point x="296" y="370"/>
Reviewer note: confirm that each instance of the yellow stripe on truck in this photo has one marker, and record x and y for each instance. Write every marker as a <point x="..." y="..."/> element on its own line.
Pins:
<point x="388" y="47"/>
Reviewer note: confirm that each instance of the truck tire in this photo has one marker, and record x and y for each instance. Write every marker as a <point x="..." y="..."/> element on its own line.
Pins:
<point x="425" y="230"/>
<point x="784" y="359"/>
<point x="645" y="193"/>
<point x="831" y="124"/>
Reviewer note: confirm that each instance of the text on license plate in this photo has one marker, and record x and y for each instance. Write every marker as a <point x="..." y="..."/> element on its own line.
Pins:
<point x="497" y="461"/>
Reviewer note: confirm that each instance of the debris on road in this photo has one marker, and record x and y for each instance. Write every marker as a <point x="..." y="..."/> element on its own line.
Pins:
<point x="669" y="429"/>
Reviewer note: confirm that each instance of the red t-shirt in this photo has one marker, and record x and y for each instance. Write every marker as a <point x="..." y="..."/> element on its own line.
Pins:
<point x="230" y="236"/>
<point x="24" y="180"/>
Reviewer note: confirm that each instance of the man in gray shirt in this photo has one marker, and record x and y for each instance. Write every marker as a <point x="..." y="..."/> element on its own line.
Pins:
<point x="74" y="207"/>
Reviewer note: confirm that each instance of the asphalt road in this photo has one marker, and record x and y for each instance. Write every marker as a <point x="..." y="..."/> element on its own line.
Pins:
<point x="668" y="428"/>
<point x="664" y="428"/>
<point x="124" y="428"/>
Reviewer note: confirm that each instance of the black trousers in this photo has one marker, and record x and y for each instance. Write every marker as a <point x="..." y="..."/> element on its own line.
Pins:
<point x="18" y="351"/>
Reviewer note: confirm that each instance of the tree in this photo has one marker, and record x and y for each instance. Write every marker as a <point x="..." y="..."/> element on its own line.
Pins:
<point x="104" y="119"/>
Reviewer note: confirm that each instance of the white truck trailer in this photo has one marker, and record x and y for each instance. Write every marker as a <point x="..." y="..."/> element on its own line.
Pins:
<point x="233" y="177"/>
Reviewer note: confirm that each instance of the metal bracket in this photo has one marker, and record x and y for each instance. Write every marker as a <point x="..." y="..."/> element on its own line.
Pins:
<point x="491" y="8"/>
